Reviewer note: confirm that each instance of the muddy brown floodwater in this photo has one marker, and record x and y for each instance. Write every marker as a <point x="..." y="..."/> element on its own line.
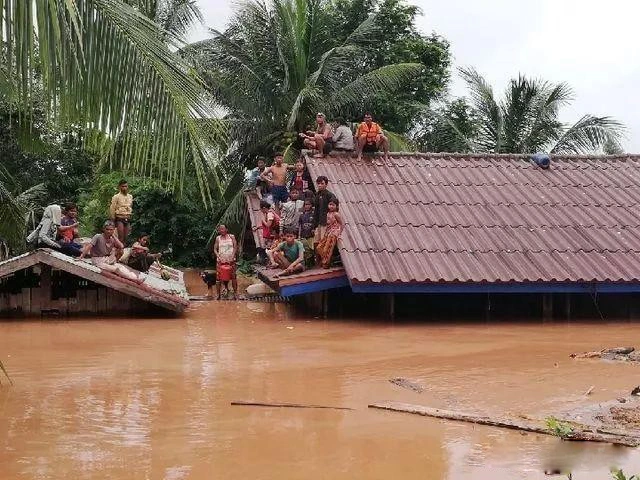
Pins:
<point x="150" y="399"/>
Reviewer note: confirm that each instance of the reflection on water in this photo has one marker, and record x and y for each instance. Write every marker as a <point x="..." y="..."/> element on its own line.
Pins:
<point x="149" y="399"/>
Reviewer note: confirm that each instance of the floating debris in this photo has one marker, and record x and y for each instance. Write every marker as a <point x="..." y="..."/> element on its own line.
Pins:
<point x="408" y="384"/>
<point x="619" y="354"/>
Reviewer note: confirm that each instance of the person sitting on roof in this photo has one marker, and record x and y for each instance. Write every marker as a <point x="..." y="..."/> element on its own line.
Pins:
<point x="370" y="138"/>
<point x="140" y="259"/>
<point x="324" y="250"/>
<point x="342" y="137"/>
<point x="46" y="233"/>
<point x="306" y="226"/>
<point x="290" y="211"/>
<point x="68" y="231"/>
<point x="270" y="224"/>
<point x="288" y="255"/>
<point x="320" y="140"/>
<point x="103" y="248"/>
<point x="278" y="180"/>
<point x="301" y="179"/>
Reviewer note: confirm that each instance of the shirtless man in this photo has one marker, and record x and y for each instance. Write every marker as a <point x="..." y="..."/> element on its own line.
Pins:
<point x="320" y="140"/>
<point x="278" y="181"/>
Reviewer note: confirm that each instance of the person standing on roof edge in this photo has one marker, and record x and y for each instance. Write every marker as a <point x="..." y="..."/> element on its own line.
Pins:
<point x="121" y="209"/>
<point x="321" y="207"/>
<point x="320" y="140"/>
<point x="335" y="225"/>
<point x="270" y="224"/>
<point x="343" y="137"/>
<point x="278" y="180"/>
<point x="370" y="138"/>
<point x="225" y="248"/>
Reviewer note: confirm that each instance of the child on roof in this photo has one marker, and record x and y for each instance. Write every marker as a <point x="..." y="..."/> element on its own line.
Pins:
<point x="290" y="211"/>
<point x="335" y="225"/>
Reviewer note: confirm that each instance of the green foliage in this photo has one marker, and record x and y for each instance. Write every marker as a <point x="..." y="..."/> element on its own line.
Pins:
<point x="179" y="226"/>
<point x="558" y="427"/>
<point x="104" y="67"/>
<point x="246" y="267"/>
<point x="444" y="129"/>
<point x="278" y="63"/>
<point x="526" y="120"/>
<point x="618" y="474"/>
<point x="396" y="40"/>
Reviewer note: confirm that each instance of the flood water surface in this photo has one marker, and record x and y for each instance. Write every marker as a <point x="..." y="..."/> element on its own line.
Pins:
<point x="150" y="399"/>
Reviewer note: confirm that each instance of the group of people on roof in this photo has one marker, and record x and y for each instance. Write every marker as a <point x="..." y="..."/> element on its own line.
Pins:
<point x="327" y="137"/>
<point x="59" y="230"/>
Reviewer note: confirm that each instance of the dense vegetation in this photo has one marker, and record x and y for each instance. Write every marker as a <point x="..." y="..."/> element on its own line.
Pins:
<point x="122" y="95"/>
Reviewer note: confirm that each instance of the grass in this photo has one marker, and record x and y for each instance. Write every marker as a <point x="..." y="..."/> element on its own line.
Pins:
<point x="558" y="427"/>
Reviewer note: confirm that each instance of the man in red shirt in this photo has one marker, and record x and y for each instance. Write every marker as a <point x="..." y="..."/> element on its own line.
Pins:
<point x="371" y="138"/>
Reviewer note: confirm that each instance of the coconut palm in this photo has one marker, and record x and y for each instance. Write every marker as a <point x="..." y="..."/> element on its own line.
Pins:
<point x="14" y="211"/>
<point x="108" y="69"/>
<point x="276" y="65"/>
<point x="526" y="120"/>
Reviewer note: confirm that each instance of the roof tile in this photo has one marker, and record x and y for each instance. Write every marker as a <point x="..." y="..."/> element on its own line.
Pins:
<point x="487" y="218"/>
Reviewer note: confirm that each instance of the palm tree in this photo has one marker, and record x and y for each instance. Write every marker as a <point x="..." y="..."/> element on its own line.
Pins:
<point x="277" y="64"/>
<point x="14" y="211"/>
<point x="109" y="70"/>
<point x="526" y="120"/>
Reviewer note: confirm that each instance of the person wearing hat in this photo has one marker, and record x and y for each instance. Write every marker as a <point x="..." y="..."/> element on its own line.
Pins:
<point x="320" y="140"/>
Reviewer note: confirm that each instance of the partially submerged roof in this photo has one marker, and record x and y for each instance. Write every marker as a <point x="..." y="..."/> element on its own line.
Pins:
<point x="171" y="294"/>
<point x="425" y="219"/>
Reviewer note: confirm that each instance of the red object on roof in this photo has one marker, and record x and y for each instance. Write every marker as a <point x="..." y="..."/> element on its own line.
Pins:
<point x="424" y="218"/>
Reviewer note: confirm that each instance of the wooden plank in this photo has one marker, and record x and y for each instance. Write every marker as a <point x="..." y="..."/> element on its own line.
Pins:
<point x="45" y="287"/>
<point x="92" y="301"/>
<point x="26" y="301"/>
<point x="102" y="300"/>
<point x="285" y="405"/>
<point x="36" y="301"/>
<point x="18" y="263"/>
<point x="574" y="435"/>
<point x="82" y="301"/>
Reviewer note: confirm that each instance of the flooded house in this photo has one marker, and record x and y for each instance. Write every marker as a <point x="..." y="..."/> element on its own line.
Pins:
<point x="46" y="282"/>
<point x="477" y="234"/>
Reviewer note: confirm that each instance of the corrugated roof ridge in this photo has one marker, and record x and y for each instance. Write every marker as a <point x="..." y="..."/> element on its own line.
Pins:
<point x="495" y="204"/>
<point x="524" y="156"/>
<point x="490" y="250"/>
<point x="595" y="226"/>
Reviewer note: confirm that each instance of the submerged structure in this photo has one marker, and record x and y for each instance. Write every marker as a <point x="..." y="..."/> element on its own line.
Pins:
<point x="45" y="282"/>
<point x="482" y="225"/>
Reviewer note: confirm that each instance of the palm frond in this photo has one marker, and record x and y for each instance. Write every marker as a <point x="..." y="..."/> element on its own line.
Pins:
<point x="106" y="67"/>
<point x="589" y="134"/>
<point x="384" y="79"/>
<point x="488" y="110"/>
<point x="544" y="111"/>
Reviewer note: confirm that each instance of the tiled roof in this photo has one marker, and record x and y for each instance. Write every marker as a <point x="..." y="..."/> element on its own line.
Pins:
<point x="423" y="218"/>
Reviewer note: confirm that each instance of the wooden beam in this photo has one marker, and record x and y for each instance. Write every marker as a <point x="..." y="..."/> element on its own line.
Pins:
<point x="18" y="263"/>
<point x="575" y="435"/>
<point x="45" y="287"/>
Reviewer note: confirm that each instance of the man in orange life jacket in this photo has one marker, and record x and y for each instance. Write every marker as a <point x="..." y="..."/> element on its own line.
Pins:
<point x="370" y="138"/>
